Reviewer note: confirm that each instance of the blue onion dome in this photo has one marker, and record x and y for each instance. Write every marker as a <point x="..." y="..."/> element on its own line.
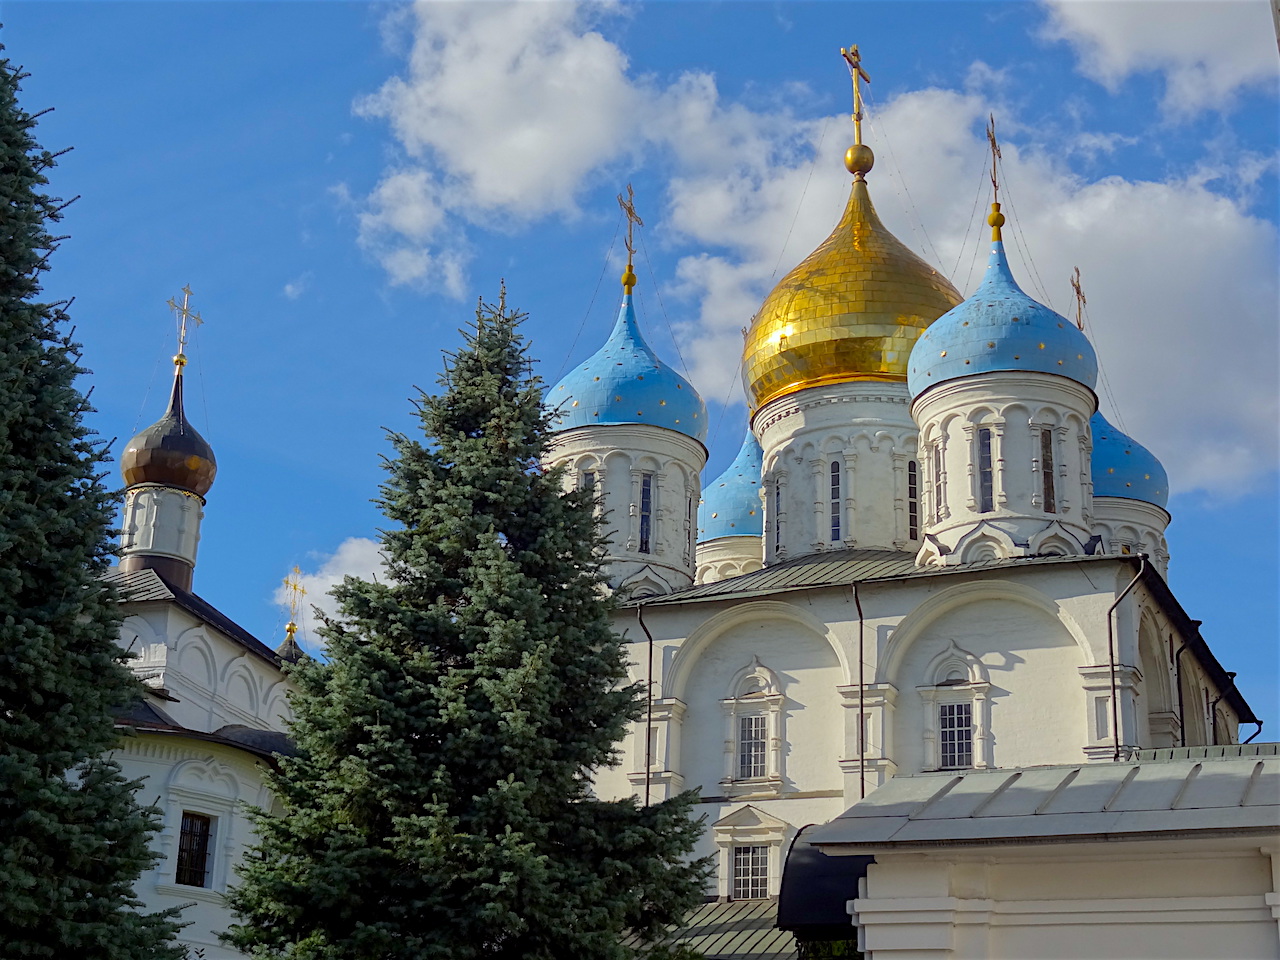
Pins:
<point x="1000" y="329"/>
<point x="1122" y="467"/>
<point x="625" y="382"/>
<point x="731" y="502"/>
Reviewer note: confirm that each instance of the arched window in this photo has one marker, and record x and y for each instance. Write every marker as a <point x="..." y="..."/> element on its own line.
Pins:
<point x="753" y="731"/>
<point x="913" y="500"/>
<point x="957" y="711"/>
<point x="837" y="500"/>
<point x="939" y="485"/>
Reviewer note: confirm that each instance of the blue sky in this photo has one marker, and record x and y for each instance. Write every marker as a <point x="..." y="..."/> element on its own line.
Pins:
<point x="339" y="182"/>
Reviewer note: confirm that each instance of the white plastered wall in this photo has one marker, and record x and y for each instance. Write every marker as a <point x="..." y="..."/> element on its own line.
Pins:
<point x="726" y="557"/>
<point x="618" y="455"/>
<point x="866" y="430"/>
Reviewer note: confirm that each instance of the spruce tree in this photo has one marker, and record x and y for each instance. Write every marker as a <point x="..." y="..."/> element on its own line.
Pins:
<point x="440" y="804"/>
<point x="72" y="838"/>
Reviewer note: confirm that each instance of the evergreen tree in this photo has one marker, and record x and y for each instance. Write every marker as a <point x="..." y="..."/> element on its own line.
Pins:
<point x="440" y="804"/>
<point x="72" y="838"/>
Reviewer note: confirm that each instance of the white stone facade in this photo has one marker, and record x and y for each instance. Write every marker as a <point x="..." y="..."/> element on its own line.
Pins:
<point x="161" y="521"/>
<point x="649" y="482"/>
<point x="726" y="557"/>
<point x="1006" y="466"/>
<point x="1132" y="526"/>
<point x="838" y="462"/>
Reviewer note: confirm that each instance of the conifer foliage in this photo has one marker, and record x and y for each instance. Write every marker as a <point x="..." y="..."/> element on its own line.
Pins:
<point x="440" y="804"/>
<point x="72" y="838"/>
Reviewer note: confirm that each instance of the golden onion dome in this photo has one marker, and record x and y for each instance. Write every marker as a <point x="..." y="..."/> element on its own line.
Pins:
<point x="852" y="310"/>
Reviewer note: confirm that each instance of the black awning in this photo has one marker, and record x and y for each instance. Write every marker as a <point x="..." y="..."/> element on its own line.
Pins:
<point x="815" y="890"/>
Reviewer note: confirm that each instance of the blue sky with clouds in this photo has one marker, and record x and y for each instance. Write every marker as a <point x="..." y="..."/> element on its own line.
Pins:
<point x="339" y="182"/>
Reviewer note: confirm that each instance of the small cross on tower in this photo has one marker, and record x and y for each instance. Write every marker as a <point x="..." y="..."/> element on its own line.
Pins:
<point x="628" y="205"/>
<point x="183" y="314"/>
<point x="1080" y="298"/>
<point x="856" y="73"/>
<point x="293" y="584"/>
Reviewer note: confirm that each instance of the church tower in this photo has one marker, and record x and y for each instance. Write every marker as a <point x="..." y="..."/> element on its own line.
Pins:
<point x="731" y="518"/>
<point x="168" y="468"/>
<point x="825" y="369"/>
<point x="1130" y="495"/>
<point x="1003" y="390"/>
<point x="632" y="429"/>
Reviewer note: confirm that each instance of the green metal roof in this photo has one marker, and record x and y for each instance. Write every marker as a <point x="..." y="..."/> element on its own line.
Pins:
<point x="733" y="930"/>
<point x="837" y="568"/>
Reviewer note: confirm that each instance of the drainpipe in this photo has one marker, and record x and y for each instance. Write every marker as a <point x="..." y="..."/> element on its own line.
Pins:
<point x="648" y="722"/>
<point x="1256" y="732"/>
<point x="1177" y="677"/>
<point x="1111" y="653"/>
<point x="862" y="696"/>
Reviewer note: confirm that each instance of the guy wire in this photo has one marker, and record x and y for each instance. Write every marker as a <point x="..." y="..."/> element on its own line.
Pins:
<point x="912" y="211"/>
<point x="604" y="267"/>
<point x="661" y="306"/>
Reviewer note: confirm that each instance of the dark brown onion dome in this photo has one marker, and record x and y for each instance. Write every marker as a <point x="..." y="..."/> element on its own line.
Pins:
<point x="170" y="451"/>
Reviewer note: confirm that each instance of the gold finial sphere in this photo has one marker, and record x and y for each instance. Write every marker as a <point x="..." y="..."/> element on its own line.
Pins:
<point x="995" y="220"/>
<point x="859" y="159"/>
<point x="180" y="359"/>
<point x="628" y="279"/>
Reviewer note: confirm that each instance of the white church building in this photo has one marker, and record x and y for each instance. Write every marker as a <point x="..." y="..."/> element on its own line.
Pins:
<point x="915" y="647"/>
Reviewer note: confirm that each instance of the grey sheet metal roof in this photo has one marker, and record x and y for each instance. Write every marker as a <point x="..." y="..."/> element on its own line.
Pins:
<point x="836" y="568"/>
<point x="145" y="716"/>
<point x="141" y="586"/>
<point x="736" y="930"/>
<point x="1235" y="791"/>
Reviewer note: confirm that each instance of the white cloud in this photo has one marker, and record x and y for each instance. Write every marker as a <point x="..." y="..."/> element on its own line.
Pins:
<point x="355" y="557"/>
<point x="1206" y="49"/>
<point x="1180" y="277"/>
<point x="298" y="286"/>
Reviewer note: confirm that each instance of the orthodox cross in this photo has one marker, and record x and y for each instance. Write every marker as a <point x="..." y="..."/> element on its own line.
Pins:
<point x="628" y="205"/>
<point x="184" y="316"/>
<point x="293" y="584"/>
<point x="856" y="73"/>
<point x="1080" y="298"/>
<point x="996" y="218"/>
<point x="995" y="155"/>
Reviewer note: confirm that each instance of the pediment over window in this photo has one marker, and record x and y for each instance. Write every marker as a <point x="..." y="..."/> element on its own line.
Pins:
<point x="749" y="817"/>
<point x="955" y="666"/>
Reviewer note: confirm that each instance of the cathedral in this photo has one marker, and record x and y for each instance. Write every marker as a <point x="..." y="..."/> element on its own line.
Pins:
<point x="914" y="647"/>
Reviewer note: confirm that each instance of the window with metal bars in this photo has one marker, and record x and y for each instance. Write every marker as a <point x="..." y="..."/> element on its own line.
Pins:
<point x="752" y="743"/>
<point x="588" y="480"/>
<point x="913" y="500"/>
<point x="986" y="499"/>
<point x="777" y="514"/>
<point x="646" y="510"/>
<point x="835" y="501"/>
<point x="1046" y="470"/>
<point x="955" y="735"/>
<point x="750" y="873"/>
<point x="193" y="849"/>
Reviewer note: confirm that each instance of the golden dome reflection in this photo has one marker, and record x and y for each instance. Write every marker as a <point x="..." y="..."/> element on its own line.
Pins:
<point x="852" y="310"/>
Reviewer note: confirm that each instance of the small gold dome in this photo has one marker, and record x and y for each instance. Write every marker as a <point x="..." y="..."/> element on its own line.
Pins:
<point x="171" y="452"/>
<point x="852" y="310"/>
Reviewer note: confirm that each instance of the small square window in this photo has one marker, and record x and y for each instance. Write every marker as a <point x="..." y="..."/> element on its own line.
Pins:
<point x="750" y="873"/>
<point x="193" y="849"/>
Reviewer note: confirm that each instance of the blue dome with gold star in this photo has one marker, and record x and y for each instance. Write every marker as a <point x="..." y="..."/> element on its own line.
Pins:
<point x="731" y="502"/>
<point x="1122" y="467"/>
<point x="625" y="382"/>
<point x="1000" y="328"/>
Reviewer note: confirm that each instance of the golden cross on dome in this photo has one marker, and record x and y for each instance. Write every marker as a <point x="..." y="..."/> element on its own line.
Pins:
<point x="856" y="73"/>
<point x="628" y="205"/>
<point x="293" y="584"/>
<point x="184" y="315"/>
<point x="1080" y="298"/>
<point x="996" y="219"/>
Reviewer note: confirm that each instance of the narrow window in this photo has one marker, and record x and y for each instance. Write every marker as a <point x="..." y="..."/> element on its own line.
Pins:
<point x="1046" y="469"/>
<point x="986" y="501"/>
<point x="646" y="510"/>
<point x="938" y="490"/>
<point x="193" y="850"/>
<point x="835" y="501"/>
<point x="588" y="480"/>
<point x="750" y="873"/>
<point x="913" y="500"/>
<point x="751" y="747"/>
<point x="777" y="514"/>
<point x="689" y="526"/>
<point x="955" y="730"/>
